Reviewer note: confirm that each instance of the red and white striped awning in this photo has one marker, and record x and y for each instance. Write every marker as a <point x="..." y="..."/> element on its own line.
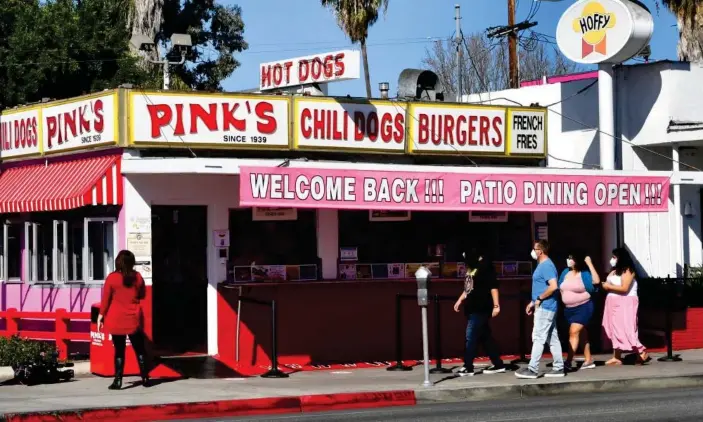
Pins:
<point x="62" y="185"/>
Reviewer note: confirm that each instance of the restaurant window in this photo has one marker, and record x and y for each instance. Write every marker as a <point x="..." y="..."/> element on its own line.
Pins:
<point x="39" y="262"/>
<point x="74" y="250"/>
<point x="407" y="241"/>
<point x="13" y="243"/>
<point x="272" y="245"/>
<point x="99" y="236"/>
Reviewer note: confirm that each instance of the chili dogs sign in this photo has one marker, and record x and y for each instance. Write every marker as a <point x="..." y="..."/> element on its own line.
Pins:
<point x="320" y="68"/>
<point x="420" y="191"/>
<point x="338" y="125"/>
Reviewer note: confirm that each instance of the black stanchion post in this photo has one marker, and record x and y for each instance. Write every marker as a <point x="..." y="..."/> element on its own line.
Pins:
<point x="274" y="372"/>
<point x="438" y="340"/>
<point x="399" y="337"/>
<point x="522" y="321"/>
<point x="670" y="357"/>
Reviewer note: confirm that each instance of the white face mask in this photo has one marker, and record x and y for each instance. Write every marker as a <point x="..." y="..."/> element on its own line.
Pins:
<point x="570" y="263"/>
<point x="533" y="254"/>
<point x="613" y="262"/>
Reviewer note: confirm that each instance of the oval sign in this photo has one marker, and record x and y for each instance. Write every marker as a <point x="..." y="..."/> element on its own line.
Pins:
<point x="604" y="31"/>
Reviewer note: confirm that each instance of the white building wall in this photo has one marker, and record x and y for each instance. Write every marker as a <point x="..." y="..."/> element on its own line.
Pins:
<point x="648" y="98"/>
<point x="218" y="193"/>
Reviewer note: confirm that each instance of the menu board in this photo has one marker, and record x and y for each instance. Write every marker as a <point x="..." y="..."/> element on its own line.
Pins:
<point x="449" y="270"/>
<point x="272" y="273"/>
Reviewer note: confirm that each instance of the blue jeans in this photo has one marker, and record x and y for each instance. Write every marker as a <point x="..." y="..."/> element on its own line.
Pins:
<point x="545" y="331"/>
<point x="478" y="330"/>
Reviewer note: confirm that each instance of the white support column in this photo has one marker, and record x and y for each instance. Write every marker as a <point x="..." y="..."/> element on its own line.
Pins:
<point x="678" y="228"/>
<point x="328" y="242"/>
<point x="606" y="139"/>
<point x="606" y="115"/>
<point x="218" y="219"/>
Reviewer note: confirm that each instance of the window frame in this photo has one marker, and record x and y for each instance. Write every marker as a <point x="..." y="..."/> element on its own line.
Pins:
<point x="6" y="243"/>
<point x="3" y="256"/>
<point x="87" y="259"/>
<point x="60" y="250"/>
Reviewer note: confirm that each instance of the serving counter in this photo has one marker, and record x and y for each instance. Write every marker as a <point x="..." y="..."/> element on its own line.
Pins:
<point x="349" y="321"/>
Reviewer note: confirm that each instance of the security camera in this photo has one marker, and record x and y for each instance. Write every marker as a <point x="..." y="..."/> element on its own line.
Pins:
<point x="181" y="43"/>
<point x="142" y="42"/>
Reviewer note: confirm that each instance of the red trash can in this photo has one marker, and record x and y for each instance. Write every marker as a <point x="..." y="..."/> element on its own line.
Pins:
<point x="102" y="352"/>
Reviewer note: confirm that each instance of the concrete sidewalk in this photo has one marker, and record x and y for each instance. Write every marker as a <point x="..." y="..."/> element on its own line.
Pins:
<point x="92" y="393"/>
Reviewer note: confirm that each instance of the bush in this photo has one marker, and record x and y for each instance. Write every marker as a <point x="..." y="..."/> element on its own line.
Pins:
<point x="16" y="351"/>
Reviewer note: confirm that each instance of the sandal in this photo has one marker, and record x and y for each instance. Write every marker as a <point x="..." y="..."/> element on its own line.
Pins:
<point x="613" y="362"/>
<point x="643" y="358"/>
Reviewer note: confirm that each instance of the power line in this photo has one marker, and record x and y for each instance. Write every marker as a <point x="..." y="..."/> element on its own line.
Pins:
<point x="617" y="138"/>
<point x="243" y="53"/>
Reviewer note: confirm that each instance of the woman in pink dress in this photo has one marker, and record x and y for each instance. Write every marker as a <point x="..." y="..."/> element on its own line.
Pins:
<point x="621" y="304"/>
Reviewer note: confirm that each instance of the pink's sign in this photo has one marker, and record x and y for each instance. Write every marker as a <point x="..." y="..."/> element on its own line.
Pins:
<point x="435" y="191"/>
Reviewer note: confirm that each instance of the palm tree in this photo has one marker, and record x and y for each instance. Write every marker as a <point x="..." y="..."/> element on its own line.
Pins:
<point x="355" y="17"/>
<point x="689" y="14"/>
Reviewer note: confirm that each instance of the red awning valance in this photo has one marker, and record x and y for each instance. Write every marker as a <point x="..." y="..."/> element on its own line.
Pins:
<point x="62" y="185"/>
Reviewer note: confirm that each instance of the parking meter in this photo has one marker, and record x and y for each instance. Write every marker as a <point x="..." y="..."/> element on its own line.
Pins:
<point x="422" y="275"/>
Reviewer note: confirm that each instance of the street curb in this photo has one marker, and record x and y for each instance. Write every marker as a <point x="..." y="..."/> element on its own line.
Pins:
<point x="348" y="401"/>
<point x="479" y="393"/>
<point x="80" y="369"/>
<point x="243" y="407"/>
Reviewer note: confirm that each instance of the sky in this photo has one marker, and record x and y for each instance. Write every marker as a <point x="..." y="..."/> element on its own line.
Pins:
<point x="282" y="29"/>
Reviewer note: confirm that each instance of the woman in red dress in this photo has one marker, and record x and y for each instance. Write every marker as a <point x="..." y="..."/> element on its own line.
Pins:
<point x="120" y="311"/>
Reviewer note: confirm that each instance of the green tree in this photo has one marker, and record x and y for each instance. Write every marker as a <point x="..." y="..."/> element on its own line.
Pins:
<point x="217" y="32"/>
<point x="63" y="48"/>
<point x="355" y="17"/>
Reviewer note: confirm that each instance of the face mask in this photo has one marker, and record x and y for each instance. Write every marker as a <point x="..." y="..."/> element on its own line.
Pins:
<point x="533" y="254"/>
<point x="570" y="263"/>
<point x="613" y="262"/>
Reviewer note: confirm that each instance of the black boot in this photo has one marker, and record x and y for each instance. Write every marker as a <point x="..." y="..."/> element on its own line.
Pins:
<point x="119" y="370"/>
<point x="143" y="371"/>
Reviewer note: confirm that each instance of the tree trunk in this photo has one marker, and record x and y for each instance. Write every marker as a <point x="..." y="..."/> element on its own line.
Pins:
<point x="367" y="76"/>
<point x="690" y="46"/>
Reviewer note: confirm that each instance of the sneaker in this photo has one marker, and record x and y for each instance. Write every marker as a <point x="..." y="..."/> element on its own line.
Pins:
<point x="555" y="373"/>
<point x="494" y="370"/>
<point x="588" y="365"/>
<point x="465" y="372"/>
<point x="527" y="373"/>
<point x="568" y="367"/>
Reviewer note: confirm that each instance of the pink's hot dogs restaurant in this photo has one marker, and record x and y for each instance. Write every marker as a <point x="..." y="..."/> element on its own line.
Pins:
<point x="326" y="206"/>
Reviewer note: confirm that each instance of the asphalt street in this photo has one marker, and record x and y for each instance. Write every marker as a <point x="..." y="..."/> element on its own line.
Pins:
<point x="673" y="405"/>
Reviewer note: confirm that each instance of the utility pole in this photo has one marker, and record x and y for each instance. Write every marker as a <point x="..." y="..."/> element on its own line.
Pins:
<point x="459" y="53"/>
<point x="512" y="46"/>
<point x="512" y="30"/>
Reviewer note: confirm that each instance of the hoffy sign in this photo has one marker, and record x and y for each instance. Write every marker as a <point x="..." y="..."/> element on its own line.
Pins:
<point x="321" y="68"/>
<point x="202" y="120"/>
<point x="604" y="31"/>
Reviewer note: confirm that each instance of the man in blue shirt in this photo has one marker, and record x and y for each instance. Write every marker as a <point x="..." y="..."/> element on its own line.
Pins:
<point x="544" y="305"/>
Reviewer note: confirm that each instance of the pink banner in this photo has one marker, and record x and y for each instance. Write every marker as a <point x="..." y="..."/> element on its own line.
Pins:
<point x="434" y="191"/>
